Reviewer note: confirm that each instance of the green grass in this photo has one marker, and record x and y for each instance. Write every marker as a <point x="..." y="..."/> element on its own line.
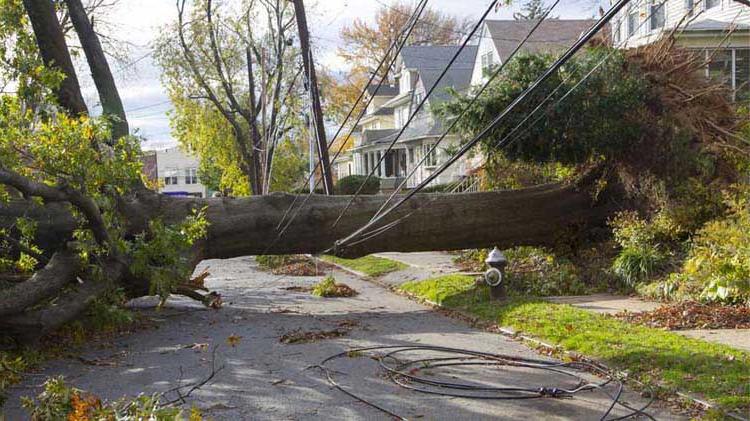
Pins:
<point x="369" y="265"/>
<point x="716" y="372"/>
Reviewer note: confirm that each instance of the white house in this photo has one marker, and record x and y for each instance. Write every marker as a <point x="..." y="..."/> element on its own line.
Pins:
<point x="417" y="71"/>
<point x="498" y="39"/>
<point x="705" y="30"/>
<point x="177" y="173"/>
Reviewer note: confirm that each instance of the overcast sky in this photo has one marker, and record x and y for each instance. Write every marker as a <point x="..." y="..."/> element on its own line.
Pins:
<point x="140" y="21"/>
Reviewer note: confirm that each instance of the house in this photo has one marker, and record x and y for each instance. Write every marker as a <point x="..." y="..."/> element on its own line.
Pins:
<point x="498" y="39"/>
<point x="175" y="172"/>
<point x="417" y="69"/>
<point x="706" y="30"/>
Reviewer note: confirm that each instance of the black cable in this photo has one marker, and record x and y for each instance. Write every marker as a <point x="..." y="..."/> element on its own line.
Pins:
<point x="400" y="43"/>
<point x="507" y="140"/>
<point x="416" y="111"/>
<point x="484" y="132"/>
<point x="468" y="107"/>
<point x="405" y="374"/>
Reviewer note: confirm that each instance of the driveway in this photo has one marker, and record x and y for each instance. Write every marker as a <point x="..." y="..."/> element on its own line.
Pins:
<point x="265" y="379"/>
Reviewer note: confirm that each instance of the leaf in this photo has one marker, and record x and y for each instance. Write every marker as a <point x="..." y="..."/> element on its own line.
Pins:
<point x="234" y="340"/>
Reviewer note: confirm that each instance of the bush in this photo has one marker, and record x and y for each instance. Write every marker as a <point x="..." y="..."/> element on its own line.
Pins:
<point x="350" y="184"/>
<point x="719" y="258"/>
<point x="58" y="401"/>
<point x="636" y="264"/>
<point x="439" y="188"/>
<point x="641" y="243"/>
<point x="533" y="271"/>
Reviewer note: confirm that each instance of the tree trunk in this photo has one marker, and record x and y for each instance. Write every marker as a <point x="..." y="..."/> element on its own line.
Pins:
<point x="54" y="51"/>
<point x="105" y="83"/>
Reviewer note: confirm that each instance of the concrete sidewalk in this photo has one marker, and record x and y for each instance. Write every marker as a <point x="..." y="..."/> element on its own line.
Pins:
<point x="430" y="264"/>
<point x="264" y="379"/>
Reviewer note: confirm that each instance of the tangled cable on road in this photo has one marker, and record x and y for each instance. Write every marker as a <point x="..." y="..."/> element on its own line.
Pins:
<point x="405" y="373"/>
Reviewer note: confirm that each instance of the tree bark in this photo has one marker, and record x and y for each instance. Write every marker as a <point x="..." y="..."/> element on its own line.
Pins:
<point x="100" y="71"/>
<point x="54" y="51"/>
<point x="45" y="283"/>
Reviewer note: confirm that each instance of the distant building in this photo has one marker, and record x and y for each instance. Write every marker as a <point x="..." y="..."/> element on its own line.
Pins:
<point x="175" y="171"/>
<point x="706" y="30"/>
<point x="417" y="71"/>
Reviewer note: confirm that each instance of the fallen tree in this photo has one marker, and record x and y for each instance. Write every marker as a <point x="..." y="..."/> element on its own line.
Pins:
<point x="97" y="227"/>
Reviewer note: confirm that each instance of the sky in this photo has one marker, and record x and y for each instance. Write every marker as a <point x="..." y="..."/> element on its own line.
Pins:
<point x="140" y="22"/>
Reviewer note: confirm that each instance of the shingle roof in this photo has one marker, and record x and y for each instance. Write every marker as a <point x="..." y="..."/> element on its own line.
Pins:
<point x="552" y="35"/>
<point x="715" y="25"/>
<point x="384" y="90"/>
<point x="430" y="60"/>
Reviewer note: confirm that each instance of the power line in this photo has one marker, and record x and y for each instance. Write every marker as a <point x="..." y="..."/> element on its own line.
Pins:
<point x="484" y="132"/>
<point x="416" y="111"/>
<point x="502" y="142"/>
<point x="399" y="44"/>
<point x="468" y="107"/>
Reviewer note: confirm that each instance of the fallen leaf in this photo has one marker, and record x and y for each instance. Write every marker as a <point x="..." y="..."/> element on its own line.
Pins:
<point x="234" y="340"/>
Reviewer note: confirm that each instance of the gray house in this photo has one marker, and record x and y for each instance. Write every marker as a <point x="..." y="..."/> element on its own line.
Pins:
<point x="417" y="71"/>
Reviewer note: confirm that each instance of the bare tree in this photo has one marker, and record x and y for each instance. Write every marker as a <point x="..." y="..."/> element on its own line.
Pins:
<point x="243" y="64"/>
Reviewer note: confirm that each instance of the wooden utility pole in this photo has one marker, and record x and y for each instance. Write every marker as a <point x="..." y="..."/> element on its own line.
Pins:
<point x="312" y="83"/>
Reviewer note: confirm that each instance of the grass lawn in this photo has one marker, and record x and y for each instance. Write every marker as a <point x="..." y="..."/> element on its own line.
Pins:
<point x="369" y="265"/>
<point x="716" y="372"/>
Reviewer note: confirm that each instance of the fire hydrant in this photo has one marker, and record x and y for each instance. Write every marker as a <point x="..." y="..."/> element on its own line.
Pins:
<point x="495" y="275"/>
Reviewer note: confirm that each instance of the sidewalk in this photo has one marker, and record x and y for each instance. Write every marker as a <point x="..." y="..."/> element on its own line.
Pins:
<point x="430" y="264"/>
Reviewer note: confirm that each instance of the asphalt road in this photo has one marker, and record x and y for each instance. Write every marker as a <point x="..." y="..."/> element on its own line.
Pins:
<point x="262" y="378"/>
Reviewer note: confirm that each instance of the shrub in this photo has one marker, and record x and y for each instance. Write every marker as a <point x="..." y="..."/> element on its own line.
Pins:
<point x="58" y="401"/>
<point x="439" y="188"/>
<point x="719" y="258"/>
<point x="533" y="271"/>
<point x="350" y="184"/>
<point x="635" y="264"/>
<point x="641" y="243"/>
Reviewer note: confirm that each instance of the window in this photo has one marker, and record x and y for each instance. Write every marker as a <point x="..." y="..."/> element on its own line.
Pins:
<point x="618" y="32"/>
<point x="689" y="7"/>
<point x="732" y="68"/>
<point x="431" y="160"/>
<point x="388" y="161"/>
<point x="720" y="67"/>
<point x="710" y="4"/>
<point x="742" y="74"/>
<point x="632" y="21"/>
<point x="191" y="176"/>
<point x="170" y="177"/>
<point x="411" y="155"/>
<point x="658" y="14"/>
<point x="488" y="60"/>
<point x="418" y="97"/>
<point x="401" y="116"/>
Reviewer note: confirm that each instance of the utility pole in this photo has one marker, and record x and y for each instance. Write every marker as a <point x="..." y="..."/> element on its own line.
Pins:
<point x="312" y="83"/>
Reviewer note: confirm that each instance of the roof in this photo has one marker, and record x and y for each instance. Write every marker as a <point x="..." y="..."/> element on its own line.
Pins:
<point x="715" y="25"/>
<point x="383" y="90"/>
<point x="552" y="35"/>
<point x="429" y="61"/>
